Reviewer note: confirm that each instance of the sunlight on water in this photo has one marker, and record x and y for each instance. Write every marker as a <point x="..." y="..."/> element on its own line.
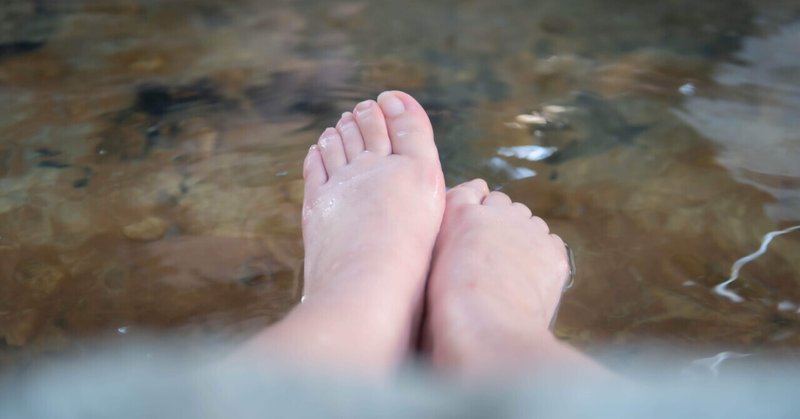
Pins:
<point x="722" y="289"/>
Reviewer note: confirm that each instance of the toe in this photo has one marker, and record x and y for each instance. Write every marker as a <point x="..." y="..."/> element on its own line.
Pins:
<point x="373" y="128"/>
<point x="314" y="170"/>
<point x="541" y="225"/>
<point x="497" y="199"/>
<point x="472" y="192"/>
<point x="351" y="136"/>
<point x="477" y="185"/>
<point x="409" y="128"/>
<point x="332" y="150"/>
<point x="522" y="209"/>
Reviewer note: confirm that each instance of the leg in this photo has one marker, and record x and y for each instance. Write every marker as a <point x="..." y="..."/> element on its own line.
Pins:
<point x="374" y="198"/>
<point x="495" y="284"/>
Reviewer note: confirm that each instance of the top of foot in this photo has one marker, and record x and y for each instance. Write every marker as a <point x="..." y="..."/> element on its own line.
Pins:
<point x="374" y="199"/>
<point x="496" y="279"/>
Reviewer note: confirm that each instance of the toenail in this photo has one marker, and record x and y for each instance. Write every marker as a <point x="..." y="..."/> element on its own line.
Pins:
<point x="345" y="122"/>
<point x="326" y="137"/>
<point x="392" y="105"/>
<point x="363" y="107"/>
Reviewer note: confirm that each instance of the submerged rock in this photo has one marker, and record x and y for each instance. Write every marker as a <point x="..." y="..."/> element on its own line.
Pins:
<point x="25" y="25"/>
<point x="42" y="278"/>
<point x="19" y="327"/>
<point x="151" y="228"/>
<point x="592" y="126"/>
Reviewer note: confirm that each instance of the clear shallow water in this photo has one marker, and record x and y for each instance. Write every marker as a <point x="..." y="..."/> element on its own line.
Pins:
<point x="150" y="155"/>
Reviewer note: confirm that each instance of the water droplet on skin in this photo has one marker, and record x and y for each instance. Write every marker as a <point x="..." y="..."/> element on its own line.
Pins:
<point x="331" y="204"/>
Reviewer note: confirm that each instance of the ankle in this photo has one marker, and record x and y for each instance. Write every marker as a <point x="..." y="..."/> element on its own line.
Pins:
<point x="324" y="333"/>
<point x="474" y="336"/>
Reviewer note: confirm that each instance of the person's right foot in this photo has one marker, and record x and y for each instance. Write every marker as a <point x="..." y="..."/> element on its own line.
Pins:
<point x="495" y="283"/>
<point x="374" y="198"/>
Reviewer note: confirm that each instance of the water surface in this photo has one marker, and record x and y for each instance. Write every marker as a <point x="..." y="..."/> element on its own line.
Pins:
<point x="150" y="155"/>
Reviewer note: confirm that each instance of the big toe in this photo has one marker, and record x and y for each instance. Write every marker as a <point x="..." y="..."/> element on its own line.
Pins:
<point x="467" y="193"/>
<point x="409" y="128"/>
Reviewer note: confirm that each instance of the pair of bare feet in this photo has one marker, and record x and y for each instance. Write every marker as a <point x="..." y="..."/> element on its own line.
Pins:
<point x="383" y="240"/>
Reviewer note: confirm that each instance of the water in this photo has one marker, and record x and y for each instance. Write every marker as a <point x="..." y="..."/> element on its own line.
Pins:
<point x="150" y="155"/>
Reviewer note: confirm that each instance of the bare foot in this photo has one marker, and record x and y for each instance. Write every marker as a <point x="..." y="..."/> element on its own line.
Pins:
<point x="374" y="198"/>
<point x="495" y="284"/>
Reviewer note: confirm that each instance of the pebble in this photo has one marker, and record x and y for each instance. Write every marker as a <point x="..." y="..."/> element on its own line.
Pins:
<point x="554" y="109"/>
<point x="531" y="119"/>
<point x="149" y="229"/>
<point x="42" y="278"/>
<point x="198" y="137"/>
<point x="21" y="329"/>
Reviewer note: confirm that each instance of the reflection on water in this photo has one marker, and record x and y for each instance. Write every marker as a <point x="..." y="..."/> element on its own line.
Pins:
<point x="722" y="289"/>
<point x="761" y="93"/>
<point x="150" y="154"/>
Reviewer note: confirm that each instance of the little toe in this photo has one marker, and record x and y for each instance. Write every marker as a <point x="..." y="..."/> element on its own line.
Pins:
<point x="472" y="192"/>
<point x="314" y="170"/>
<point x="409" y="128"/>
<point x="332" y="150"/>
<point x="497" y="199"/>
<point x="351" y="136"/>
<point x="369" y="117"/>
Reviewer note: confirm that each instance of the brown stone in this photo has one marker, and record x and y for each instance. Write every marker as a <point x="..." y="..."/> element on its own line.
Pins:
<point x="148" y="63"/>
<point x="151" y="228"/>
<point x="19" y="327"/>
<point x="198" y="138"/>
<point x="42" y="278"/>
